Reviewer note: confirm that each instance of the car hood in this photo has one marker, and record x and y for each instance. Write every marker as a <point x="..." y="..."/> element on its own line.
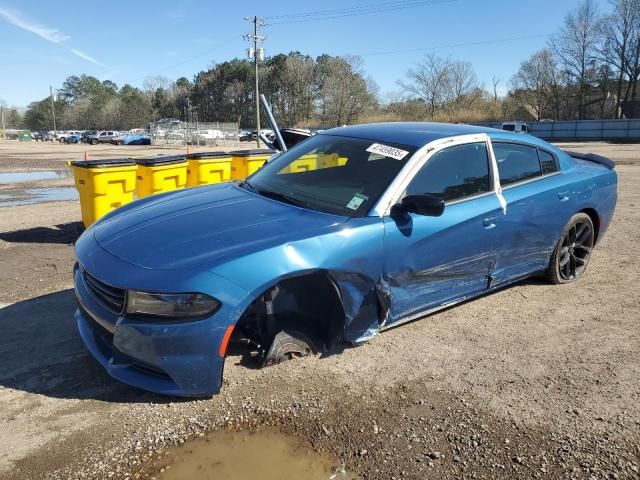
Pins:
<point x="200" y="228"/>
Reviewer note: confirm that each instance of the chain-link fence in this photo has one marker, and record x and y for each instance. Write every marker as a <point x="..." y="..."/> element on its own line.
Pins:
<point x="175" y="132"/>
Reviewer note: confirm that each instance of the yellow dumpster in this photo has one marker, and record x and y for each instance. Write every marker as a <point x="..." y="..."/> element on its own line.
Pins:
<point x="330" y="160"/>
<point x="103" y="185"/>
<point x="246" y="162"/>
<point x="303" y="164"/>
<point x="208" y="167"/>
<point x="160" y="174"/>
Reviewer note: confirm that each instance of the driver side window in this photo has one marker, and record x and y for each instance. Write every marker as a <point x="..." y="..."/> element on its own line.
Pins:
<point x="454" y="173"/>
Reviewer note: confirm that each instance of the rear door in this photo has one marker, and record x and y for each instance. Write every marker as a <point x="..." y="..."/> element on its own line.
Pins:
<point x="431" y="261"/>
<point x="538" y="204"/>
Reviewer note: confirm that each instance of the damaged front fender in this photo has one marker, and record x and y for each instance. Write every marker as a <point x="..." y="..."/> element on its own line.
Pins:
<point x="351" y="255"/>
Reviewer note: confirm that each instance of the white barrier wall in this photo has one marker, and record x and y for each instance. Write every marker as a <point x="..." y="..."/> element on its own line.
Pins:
<point x="584" y="130"/>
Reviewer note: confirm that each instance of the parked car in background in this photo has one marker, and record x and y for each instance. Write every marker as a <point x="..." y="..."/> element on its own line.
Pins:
<point x="63" y="136"/>
<point x="60" y="135"/>
<point x="119" y="137"/>
<point x="84" y="138"/>
<point x="398" y="221"/>
<point x="138" y="139"/>
<point x="253" y="135"/>
<point x="74" y="138"/>
<point x="516" y="127"/>
<point x="202" y="136"/>
<point x="43" y="136"/>
<point x="212" y="134"/>
<point x="104" y="136"/>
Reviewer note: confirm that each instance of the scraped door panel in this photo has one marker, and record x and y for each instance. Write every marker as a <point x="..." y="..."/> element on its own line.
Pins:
<point x="430" y="261"/>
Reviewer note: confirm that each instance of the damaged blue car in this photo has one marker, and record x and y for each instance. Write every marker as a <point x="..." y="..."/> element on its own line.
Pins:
<point x="350" y="232"/>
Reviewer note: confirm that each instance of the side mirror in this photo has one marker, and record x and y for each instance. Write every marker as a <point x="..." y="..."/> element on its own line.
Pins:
<point x="422" y="204"/>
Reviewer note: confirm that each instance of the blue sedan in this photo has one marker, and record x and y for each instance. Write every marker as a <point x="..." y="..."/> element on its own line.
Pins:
<point x="353" y="231"/>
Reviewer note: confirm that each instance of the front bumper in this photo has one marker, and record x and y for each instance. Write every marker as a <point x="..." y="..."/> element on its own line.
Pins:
<point x="171" y="358"/>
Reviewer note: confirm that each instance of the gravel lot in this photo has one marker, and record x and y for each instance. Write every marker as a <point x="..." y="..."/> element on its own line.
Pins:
<point x="533" y="381"/>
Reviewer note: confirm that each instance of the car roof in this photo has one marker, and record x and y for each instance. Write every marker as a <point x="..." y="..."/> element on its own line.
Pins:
<point x="414" y="134"/>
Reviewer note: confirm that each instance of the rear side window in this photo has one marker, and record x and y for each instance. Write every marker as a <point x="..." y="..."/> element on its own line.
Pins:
<point x="454" y="173"/>
<point x="516" y="163"/>
<point x="547" y="162"/>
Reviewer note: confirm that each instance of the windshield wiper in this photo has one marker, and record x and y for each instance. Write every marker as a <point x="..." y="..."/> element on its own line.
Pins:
<point x="283" y="197"/>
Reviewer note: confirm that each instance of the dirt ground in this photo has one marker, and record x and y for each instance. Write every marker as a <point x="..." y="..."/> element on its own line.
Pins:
<point x="533" y="381"/>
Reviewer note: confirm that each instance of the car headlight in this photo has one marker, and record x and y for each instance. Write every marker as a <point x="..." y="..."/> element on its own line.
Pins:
<point x="171" y="305"/>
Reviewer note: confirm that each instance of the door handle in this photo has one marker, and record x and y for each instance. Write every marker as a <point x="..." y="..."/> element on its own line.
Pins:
<point x="564" y="196"/>
<point x="489" y="222"/>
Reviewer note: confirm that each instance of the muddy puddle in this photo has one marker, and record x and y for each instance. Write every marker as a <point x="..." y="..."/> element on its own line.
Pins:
<point x="30" y="196"/>
<point x="23" y="177"/>
<point x="13" y="193"/>
<point x="264" y="454"/>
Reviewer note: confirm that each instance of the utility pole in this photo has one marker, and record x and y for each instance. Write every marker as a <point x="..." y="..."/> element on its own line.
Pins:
<point x="53" y="111"/>
<point x="257" y="53"/>
<point x="4" y="127"/>
<point x="187" y="111"/>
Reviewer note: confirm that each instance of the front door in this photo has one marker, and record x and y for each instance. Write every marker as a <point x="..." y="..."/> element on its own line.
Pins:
<point x="431" y="261"/>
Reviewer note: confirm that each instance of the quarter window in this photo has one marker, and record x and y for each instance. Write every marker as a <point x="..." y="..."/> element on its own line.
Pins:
<point x="516" y="163"/>
<point x="454" y="173"/>
<point x="547" y="162"/>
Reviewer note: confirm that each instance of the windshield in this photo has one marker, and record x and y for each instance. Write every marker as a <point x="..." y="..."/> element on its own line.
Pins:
<point x="332" y="174"/>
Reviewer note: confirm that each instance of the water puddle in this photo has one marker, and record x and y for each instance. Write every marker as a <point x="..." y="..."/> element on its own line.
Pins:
<point x="264" y="455"/>
<point x="38" y="195"/>
<point x="21" y="177"/>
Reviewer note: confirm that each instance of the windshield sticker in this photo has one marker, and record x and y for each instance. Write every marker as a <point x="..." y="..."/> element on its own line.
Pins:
<point x="356" y="201"/>
<point x="387" y="151"/>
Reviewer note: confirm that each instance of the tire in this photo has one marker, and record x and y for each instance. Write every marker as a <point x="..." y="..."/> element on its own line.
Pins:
<point x="288" y="344"/>
<point x="571" y="256"/>
<point x="94" y="141"/>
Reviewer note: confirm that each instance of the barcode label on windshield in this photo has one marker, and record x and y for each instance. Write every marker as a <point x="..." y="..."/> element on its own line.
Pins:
<point x="387" y="151"/>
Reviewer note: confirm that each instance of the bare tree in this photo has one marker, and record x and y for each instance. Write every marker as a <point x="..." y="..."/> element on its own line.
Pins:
<point x="461" y="85"/>
<point x="576" y="47"/>
<point x="294" y="81"/>
<point x="619" y="30"/>
<point x="633" y="64"/>
<point x="496" y="81"/>
<point x="428" y="81"/>
<point x="533" y="82"/>
<point x="344" y="93"/>
<point x="153" y="82"/>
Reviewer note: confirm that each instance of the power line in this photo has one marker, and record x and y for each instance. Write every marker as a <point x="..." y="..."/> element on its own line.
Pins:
<point x="454" y="45"/>
<point x="338" y="11"/>
<point x="190" y="59"/>
<point x="370" y="10"/>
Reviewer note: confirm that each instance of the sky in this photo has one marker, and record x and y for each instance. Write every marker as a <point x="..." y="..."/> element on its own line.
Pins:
<point x="43" y="42"/>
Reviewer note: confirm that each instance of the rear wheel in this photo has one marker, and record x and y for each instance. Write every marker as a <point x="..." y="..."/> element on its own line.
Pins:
<point x="571" y="255"/>
<point x="94" y="141"/>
